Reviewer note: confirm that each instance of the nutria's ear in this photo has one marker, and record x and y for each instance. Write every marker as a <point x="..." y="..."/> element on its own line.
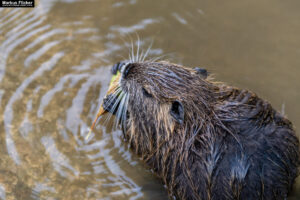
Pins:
<point x="202" y="72"/>
<point x="177" y="111"/>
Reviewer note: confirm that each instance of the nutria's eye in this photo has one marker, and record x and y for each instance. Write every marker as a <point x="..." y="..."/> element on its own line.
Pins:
<point x="127" y="70"/>
<point x="177" y="111"/>
<point x="117" y="67"/>
<point x="146" y="93"/>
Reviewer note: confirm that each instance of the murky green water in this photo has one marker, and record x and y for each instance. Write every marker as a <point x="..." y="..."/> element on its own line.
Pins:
<point x="54" y="69"/>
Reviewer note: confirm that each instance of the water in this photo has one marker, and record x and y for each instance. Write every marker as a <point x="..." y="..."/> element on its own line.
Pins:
<point x="54" y="69"/>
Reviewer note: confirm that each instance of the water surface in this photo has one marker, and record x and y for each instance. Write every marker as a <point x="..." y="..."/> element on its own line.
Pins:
<point x="55" y="64"/>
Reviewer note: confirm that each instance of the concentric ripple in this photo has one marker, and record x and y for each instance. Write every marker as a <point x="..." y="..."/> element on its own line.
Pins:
<point x="53" y="72"/>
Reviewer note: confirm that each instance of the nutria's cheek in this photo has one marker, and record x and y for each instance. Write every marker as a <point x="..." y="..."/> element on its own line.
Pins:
<point x="128" y="86"/>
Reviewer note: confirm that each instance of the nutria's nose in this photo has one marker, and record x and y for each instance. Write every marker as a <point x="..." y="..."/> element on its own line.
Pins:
<point x="117" y="67"/>
<point x="126" y="69"/>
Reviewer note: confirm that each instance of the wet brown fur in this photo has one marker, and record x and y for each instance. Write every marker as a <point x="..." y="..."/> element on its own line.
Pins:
<point x="231" y="145"/>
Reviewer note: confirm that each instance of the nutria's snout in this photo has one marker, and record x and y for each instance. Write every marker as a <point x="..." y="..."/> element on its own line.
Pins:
<point x="206" y="140"/>
<point x="112" y="100"/>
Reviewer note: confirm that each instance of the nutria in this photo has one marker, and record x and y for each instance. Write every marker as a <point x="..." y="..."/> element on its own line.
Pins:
<point x="204" y="139"/>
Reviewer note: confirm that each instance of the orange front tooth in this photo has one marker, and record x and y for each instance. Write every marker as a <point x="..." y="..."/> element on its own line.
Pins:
<point x="100" y="112"/>
<point x="114" y="84"/>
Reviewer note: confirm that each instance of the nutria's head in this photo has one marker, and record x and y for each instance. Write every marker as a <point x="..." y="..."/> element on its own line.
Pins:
<point x="154" y="101"/>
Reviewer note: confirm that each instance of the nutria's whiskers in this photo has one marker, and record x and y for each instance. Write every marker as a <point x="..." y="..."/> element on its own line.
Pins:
<point x="132" y="58"/>
<point x="112" y="101"/>
<point x="138" y="50"/>
<point x="124" y="116"/>
<point x="120" y="108"/>
<point x="137" y="55"/>
<point x="158" y="58"/>
<point x="147" y="52"/>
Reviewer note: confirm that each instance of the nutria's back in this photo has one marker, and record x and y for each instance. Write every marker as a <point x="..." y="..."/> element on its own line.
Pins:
<point x="204" y="139"/>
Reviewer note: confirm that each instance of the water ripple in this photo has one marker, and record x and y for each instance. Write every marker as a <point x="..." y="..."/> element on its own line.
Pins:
<point x="134" y="28"/>
<point x="58" y="87"/>
<point x="53" y="72"/>
<point x="37" y="54"/>
<point x="8" y="112"/>
<point x="59" y="160"/>
<point x="6" y="48"/>
<point x="14" y="16"/>
<point x="43" y="37"/>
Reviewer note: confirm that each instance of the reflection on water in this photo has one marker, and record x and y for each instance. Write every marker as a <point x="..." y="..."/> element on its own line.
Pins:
<point x="55" y="64"/>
